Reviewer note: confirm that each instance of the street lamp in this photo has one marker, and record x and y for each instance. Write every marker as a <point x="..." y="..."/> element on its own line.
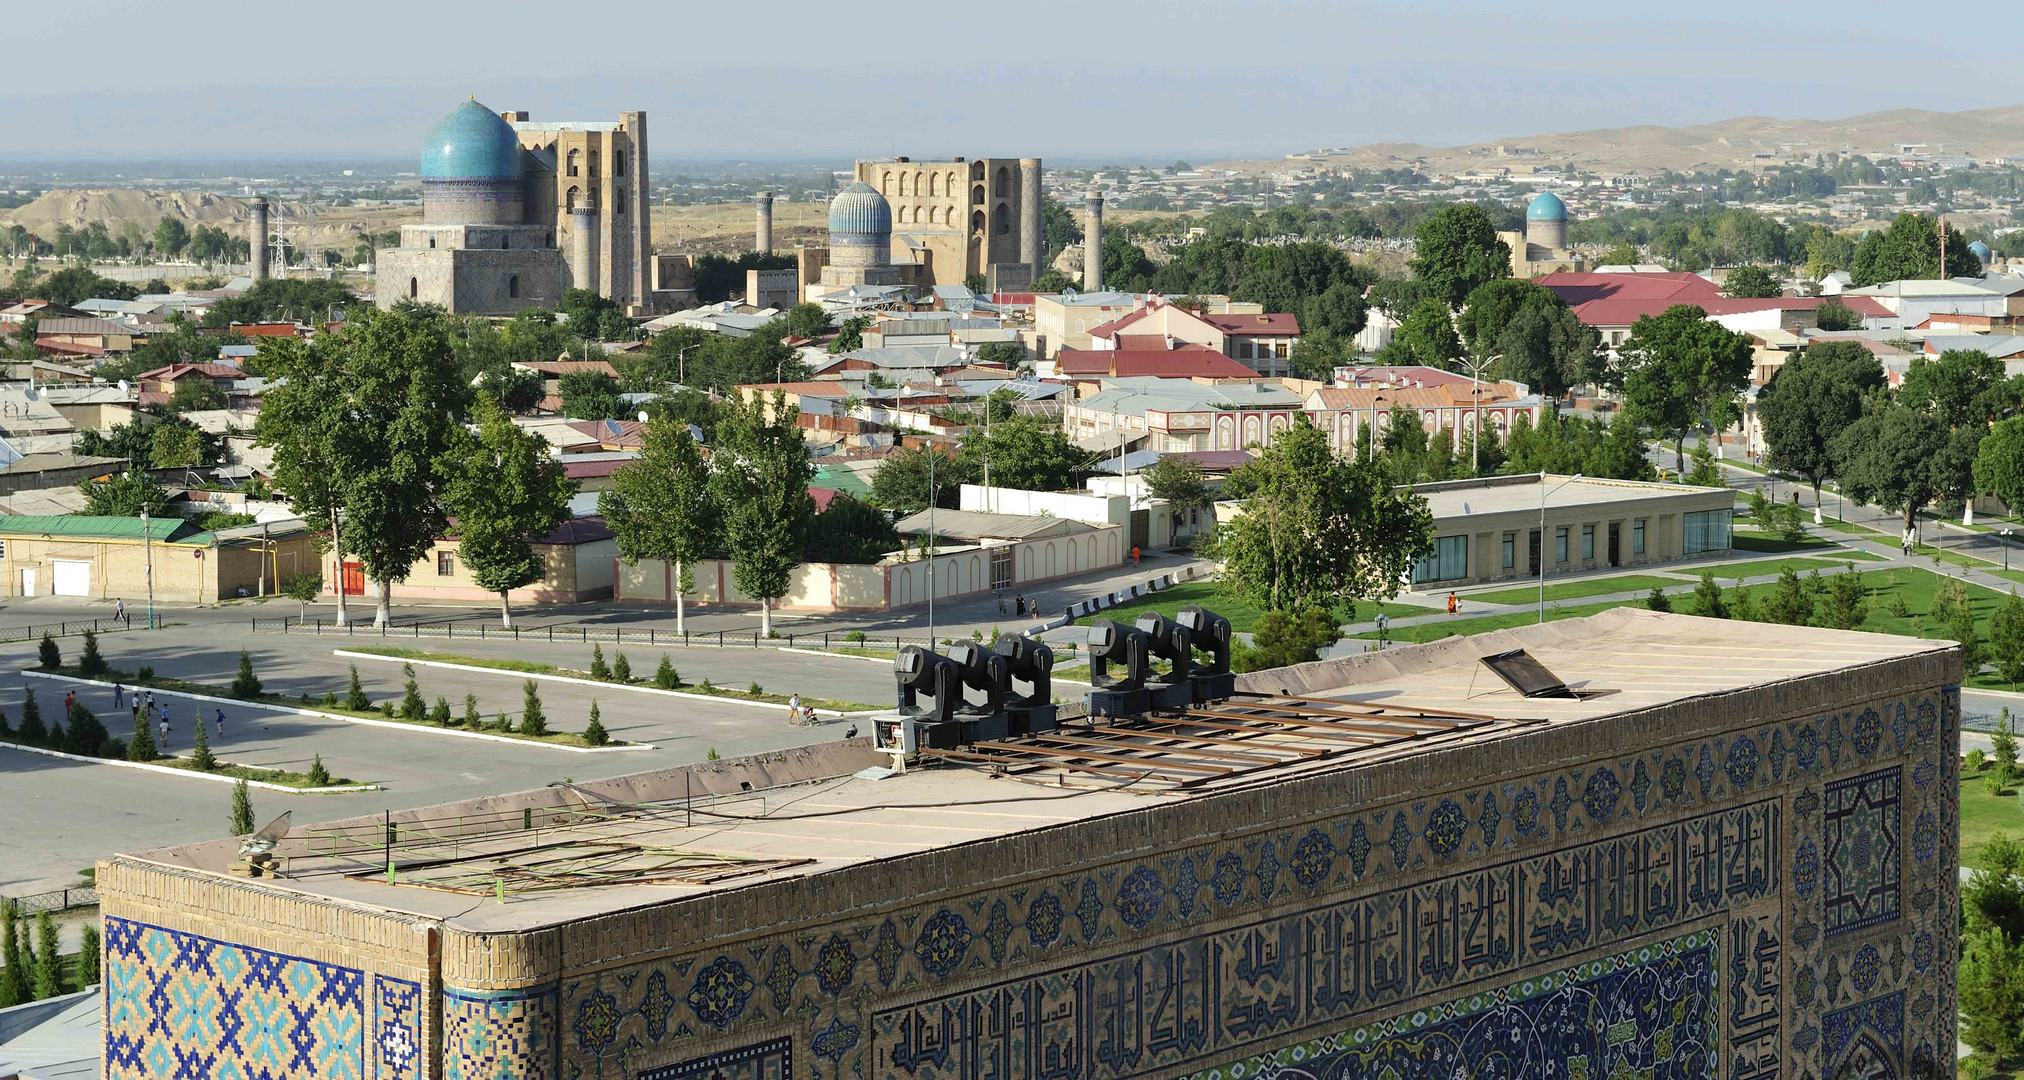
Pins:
<point x="1370" y="434"/>
<point x="682" y="363"/>
<point x="2006" y="550"/>
<point x="1543" y="493"/>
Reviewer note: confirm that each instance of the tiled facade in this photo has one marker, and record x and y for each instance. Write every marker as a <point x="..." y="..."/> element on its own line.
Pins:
<point x="1744" y="899"/>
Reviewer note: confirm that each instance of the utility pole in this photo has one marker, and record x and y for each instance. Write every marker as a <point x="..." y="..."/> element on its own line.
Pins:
<point x="933" y="453"/>
<point x="337" y="549"/>
<point x="148" y="553"/>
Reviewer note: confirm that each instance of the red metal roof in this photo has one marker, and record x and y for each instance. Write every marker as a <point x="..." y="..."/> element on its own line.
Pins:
<point x="282" y="329"/>
<point x="1282" y="324"/>
<point x="180" y="371"/>
<point x="1620" y="299"/>
<point x="1184" y="362"/>
<point x="822" y="496"/>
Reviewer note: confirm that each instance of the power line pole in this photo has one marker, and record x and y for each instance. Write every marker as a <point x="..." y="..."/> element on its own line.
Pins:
<point x="148" y="550"/>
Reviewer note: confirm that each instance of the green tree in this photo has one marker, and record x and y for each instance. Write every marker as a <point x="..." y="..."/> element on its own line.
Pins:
<point x="318" y="774"/>
<point x="1790" y="602"/>
<point x="48" y="654"/>
<point x="597" y="318"/>
<point x="471" y="718"/>
<point x="245" y="684"/>
<point x="1835" y="316"/>
<point x="901" y="482"/>
<point x="75" y="284"/>
<point x="15" y="988"/>
<point x="171" y="236"/>
<point x="1338" y="310"/>
<point x="661" y="506"/>
<point x="593" y="732"/>
<point x="665" y="676"/>
<point x="1620" y="255"/>
<point x="361" y="421"/>
<point x="1025" y="452"/>
<point x="439" y="713"/>
<point x="303" y="588"/>
<point x="88" y="959"/>
<point x="48" y="958"/>
<point x="761" y="480"/>
<point x="1811" y="399"/>
<point x="354" y="695"/>
<point x="1991" y="997"/>
<point x="1847" y="601"/>
<point x="1909" y="249"/>
<point x="1705" y="472"/>
<point x="850" y="336"/>
<point x="141" y="744"/>
<point x="200" y="749"/>
<point x="1178" y="482"/>
<point x="124" y="495"/>
<point x="242" y="809"/>
<point x="2003" y="743"/>
<point x="1961" y="628"/>
<point x="851" y="531"/>
<point x="2006" y="640"/>
<point x="1284" y="638"/>
<point x="806" y="320"/>
<point x="33" y="731"/>
<point x="1658" y="600"/>
<point x="1751" y="283"/>
<point x="506" y="494"/>
<point x="1537" y="339"/>
<point x="1319" y="531"/>
<point x="599" y="670"/>
<point x="91" y="663"/>
<point x="1427" y="336"/>
<point x="1904" y="458"/>
<point x="1708" y="602"/>
<point x="1456" y="249"/>
<point x="532" y="720"/>
<point x="193" y="394"/>
<point x="1683" y="373"/>
<point x="589" y="395"/>
<point x="413" y="707"/>
<point x="1999" y="461"/>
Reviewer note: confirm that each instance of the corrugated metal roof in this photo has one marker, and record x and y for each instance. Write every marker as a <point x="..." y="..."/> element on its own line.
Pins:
<point x="101" y="528"/>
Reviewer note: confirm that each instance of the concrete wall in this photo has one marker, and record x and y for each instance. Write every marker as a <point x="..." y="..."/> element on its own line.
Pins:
<point x="1075" y="506"/>
<point x="570" y="573"/>
<point x="182" y="573"/>
<point x="1757" y="884"/>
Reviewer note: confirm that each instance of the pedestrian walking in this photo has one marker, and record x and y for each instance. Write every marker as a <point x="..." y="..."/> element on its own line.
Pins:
<point x="119" y="610"/>
<point x="137" y="708"/>
<point x="70" y="703"/>
<point x="1018" y="605"/>
<point x="1001" y="603"/>
<point x="1454" y="605"/>
<point x="118" y="695"/>
<point x="220" y="725"/>
<point x="165" y="735"/>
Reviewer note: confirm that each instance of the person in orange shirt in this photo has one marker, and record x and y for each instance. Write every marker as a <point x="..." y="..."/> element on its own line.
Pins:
<point x="1454" y="605"/>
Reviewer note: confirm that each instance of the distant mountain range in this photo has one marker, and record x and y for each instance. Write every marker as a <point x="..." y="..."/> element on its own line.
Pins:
<point x="1737" y="143"/>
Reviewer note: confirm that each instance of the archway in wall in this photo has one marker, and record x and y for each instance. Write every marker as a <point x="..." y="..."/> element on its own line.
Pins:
<point x="1225" y="433"/>
<point x="414" y="287"/>
<point x="1252" y="430"/>
<point x="1074" y="557"/>
<point x="1004" y="218"/>
<point x="903" y="588"/>
<point x="1001" y="186"/>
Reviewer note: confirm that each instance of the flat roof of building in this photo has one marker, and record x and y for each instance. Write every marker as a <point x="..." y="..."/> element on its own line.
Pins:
<point x="572" y="851"/>
<point x="1503" y="494"/>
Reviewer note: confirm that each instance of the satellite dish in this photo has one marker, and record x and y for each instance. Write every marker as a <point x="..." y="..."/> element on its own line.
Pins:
<point x="269" y="836"/>
<point x="643" y="416"/>
<point x="122" y="386"/>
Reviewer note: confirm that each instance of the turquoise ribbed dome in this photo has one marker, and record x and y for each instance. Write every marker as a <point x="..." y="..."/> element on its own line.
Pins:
<point x="859" y="211"/>
<point x="1980" y="250"/>
<point x="1546" y="206"/>
<point x="471" y="142"/>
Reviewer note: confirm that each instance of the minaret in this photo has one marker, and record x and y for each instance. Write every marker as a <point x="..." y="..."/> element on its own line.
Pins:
<point x="258" y="238"/>
<point x="762" y="242"/>
<point x="1030" y="235"/>
<point x="1092" y="243"/>
<point x="583" y="254"/>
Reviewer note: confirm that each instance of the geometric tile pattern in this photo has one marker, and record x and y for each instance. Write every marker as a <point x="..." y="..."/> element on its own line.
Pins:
<point x="1860" y="873"/>
<point x="398" y="1029"/>
<point x="181" y="1005"/>
<point x="767" y="1061"/>
<point x="500" y="1035"/>
<point x="1649" y="1013"/>
<point x="1866" y="1040"/>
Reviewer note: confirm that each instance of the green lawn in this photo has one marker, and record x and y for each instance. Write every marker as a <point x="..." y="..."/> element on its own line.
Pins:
<point x="1762" y="542"/>
<point x="1482" y="624"/>
<point x="1983" y="815"/>
<point x="1852" y="528"/>
<point x="1773" y="567"/>
<point x="643" y="677"/>
<point x="1242" y="614"/>
<point x="1576" y="590"/>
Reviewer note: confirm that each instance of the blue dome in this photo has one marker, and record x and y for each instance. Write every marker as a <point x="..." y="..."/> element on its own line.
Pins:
<point x="1980" y="250"/>
<point x="471" y="142"/>
<point x="1546" y="206"/>
<point x="859" y="211"/>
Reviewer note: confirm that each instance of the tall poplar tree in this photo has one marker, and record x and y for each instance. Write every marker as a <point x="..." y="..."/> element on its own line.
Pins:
<point x="504" y="492"/>
<point x="661" y="506"/>
<point x="761" y="480"/>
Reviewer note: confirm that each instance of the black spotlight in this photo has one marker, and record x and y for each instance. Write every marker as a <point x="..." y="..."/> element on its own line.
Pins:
<point x="920" y="671"/>
<point x="1118" y="695"/>
<point x="1168" y="641"/>
<point x="1029" y="708"/>
<point x="1210" y="633"/>
<point x="985" y="672"/>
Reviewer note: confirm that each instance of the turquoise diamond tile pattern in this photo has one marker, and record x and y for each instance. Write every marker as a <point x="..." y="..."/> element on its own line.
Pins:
<point x="771" y="1060"/>
<point x="501" y="1035"/>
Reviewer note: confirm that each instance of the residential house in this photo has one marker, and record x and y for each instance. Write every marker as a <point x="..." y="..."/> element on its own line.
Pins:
<point x="1181" y="414"/>
<point x="1262" y="341"/>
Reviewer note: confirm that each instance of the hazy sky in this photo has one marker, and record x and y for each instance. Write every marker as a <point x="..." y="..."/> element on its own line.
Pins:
<point x="1067" y="78"/>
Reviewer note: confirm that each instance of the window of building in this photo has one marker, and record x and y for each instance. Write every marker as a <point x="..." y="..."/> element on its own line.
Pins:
<point x="1637" y="537"/>
<point x="1587" y="542"/>
<point x="1705" y="530"/>
<point x="618" y="163"/>
<point x="505" y="241"/>
<point x="1510" y="550"/>
<point x="618" y="202"/>
<point x="1448" y="561"/>
<point x="575" y="168"/>
<point x="513" y="286"/>
<point x="414" y="288"/>
<point x="1560" y="544"/>
<point x="432" y="241"/>
<point x="593" y="164"/>
<point x="446" y="563"/>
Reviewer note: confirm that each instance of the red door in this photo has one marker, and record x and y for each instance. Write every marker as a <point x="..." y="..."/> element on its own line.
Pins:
<point x="354" y="579"/>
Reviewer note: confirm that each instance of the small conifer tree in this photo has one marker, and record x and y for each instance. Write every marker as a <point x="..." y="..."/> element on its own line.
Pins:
<point x="665" y="676"/>
<point x="200" y="752"/>
<point x="6" y="730"/>
<point x="84" y="736"/>
<point x="14" y="986"/>
<point x="91" y="663"/>
<point x="593" y="732"/>
<point x="1658" y="600"/>
<point x="141" y="744"/>
<point x="33" y="733"/>
<point x="245" y="685"/>
<point x="48" y="958"/>
<point x="50" y="655"/>
<point x="532" y="722"/>
<point x="621" y="669"/>
<point x="472" y="719"/>
<point x="354" y="697"/>
<point x="598" y="670"/>
<point x="439" y="714"/>
<point x="242" y="809"/>
<point x="412" y="705"/>
<point x="319" y="776"/>
<point x="87" y="956"/>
